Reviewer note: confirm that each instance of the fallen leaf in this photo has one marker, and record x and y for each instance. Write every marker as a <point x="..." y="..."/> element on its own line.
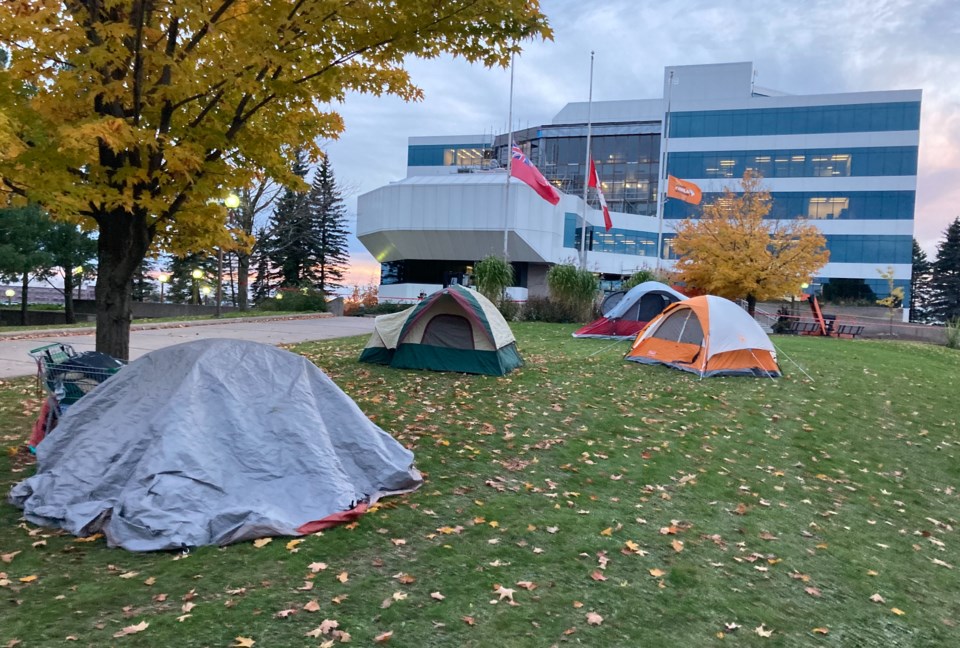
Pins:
<point x="186" y="607"/>
<point x="8" y="557"/>
<point x="316" y="566"/>
<point x="812" y="591"/>
<point x="763" y="632"/>
<point x="343" y="577"/>
<point x="607" y="532"/>
<point x="398" y="542"/>
<point x="259" y="543"/>
<point x="133" y="629"/>
<point x="527" y="585"/>
<point x="657" y="573"/>
<point x="405" y="579"/>
<point x="312" y="606"/>
<point x="283" y="614"/>
<point x="437" y="596"/>
<point x="28" y="579"/>
<point x="876" y="598"/>
<point x="594" y="619"/>
<point x="897" y="611"/>
<point x="469" y="620"/>
<point x="243" y="642"/>
<point x="383" y="636"/>
<point x="340" y="598"/>
<point x="89" y="538"/>
<point x="597" y="575"/>
<point x="677" y="545"/>
<point x="150" y="581"/>
<point x="129" y="574"/>
<point x="183" y="617"/>
<point x="822" y="631"/>
<point x="292" y="545"/>
<point x="504" y="593"/>
<point x="306" y="587"/>
<point x="552" y="529"/>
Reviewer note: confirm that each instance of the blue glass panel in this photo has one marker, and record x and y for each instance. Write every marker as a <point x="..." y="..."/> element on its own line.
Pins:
<point x="854" y="118"/>
<point x="841" y="205"/>
<point x="796" y="163"/>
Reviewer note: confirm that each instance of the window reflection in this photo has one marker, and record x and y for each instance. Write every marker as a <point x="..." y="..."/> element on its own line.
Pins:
<point x="889" y="160"/>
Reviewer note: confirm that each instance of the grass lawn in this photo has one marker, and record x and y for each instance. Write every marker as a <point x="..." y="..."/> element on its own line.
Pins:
<point x="581" y="500"/>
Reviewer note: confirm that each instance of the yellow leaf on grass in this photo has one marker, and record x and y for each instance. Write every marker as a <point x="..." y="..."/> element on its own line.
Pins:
<point x="259" y="543"/>
<point x="822" y="631"/>
<point x="90" y="538"/>
<point x="292" y="545"/>
<point x="677" y="545"/>
<point x="28" y="579"/>
<point x="897" y="611"/>
<point x="657" y="573"/>
<point x="343" y="577"/>
<point x="607" y="532"/>
<point x="243" y="642"/>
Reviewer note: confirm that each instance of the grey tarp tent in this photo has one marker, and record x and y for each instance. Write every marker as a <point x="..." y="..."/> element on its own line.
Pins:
<point x="211" y="442"/>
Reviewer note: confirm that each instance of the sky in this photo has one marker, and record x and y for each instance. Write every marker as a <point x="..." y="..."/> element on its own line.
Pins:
<point x="799" y="47"/>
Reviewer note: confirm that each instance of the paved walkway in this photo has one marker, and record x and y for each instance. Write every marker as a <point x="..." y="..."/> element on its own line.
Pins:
<point x="144" y="338"/>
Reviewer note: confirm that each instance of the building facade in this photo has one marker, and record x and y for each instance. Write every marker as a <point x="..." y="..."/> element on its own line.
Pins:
<point x="846" y="162"/>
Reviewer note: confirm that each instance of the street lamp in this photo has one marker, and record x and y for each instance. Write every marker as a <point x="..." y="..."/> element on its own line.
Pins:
<point x="78" y="273"/>
<point x="10" y="293"/>
<point x="197" y="274"/>
<point x="206" y="294"/>
<point x="232" y="201"/>
<point x="163" y="279"/>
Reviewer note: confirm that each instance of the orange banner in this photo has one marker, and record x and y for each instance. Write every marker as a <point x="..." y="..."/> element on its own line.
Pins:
<point x="683" y="190"/>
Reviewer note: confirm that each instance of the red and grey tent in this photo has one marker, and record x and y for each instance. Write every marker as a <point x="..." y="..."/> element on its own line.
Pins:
<point x="638" y="306"/>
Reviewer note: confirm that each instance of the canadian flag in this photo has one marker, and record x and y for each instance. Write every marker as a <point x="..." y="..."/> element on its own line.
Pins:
<point x="595" y="183"/>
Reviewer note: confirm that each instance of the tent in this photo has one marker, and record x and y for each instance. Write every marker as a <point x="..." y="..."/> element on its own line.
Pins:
<point x="632" y="311"/>
<point x="454" y="329"/>
<point x="208" y="443"/>
<point x="709" y="336"/>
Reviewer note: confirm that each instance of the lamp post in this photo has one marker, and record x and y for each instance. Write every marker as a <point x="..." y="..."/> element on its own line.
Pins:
<point x="163" y="279"/>
<point x="9" y="293"/>
<point x="197" y="274"/>
<point x="232" y="201"/>
<point x="206" y="294"/>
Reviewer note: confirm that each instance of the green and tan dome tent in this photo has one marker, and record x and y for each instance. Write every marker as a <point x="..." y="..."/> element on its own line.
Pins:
<point x="454" y="329"/>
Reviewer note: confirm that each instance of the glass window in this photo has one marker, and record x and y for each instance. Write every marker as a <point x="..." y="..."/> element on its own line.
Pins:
<point x="803" y="163"/>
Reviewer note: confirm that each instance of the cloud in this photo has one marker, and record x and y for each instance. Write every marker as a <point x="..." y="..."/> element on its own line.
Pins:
<point x="809" y="47"/>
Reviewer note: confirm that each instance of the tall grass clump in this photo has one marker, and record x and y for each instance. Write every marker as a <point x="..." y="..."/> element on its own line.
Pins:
<point x="492" y="275"/>
<point x="574" y="288"/>
<point x="953" y="333"/>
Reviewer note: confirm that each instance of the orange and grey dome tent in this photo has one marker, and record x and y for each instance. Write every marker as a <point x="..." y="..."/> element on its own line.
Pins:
<point x="708" y="336"/>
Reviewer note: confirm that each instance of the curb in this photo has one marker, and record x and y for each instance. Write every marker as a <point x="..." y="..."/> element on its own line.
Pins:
<point x="89" y="330"/>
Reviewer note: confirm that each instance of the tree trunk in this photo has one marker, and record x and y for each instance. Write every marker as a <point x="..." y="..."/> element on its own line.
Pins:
<point x="243" y="277"/>
<point x="122" y="245"/>
<point x="751" y="305"/>
<point x="24" y="290"/>
<point x="68" y="295"/>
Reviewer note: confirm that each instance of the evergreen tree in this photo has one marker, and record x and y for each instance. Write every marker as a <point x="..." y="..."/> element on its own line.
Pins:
<point x="22" y="232"/>
<point x="920" y="295"/>
<point x="183" y="288"/>
<point x="328" y="228"/>
<point x="945" y="280"/>
<point x="289" y="246"/>
<point x="262" y="284"/>
<point x="143" y="288"/>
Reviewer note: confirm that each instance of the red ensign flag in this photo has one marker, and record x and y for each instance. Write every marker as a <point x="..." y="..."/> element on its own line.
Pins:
<point x="523" y="169"/>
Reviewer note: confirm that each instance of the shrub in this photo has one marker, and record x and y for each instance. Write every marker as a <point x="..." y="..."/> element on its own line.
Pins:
<point x="361" y="310"/>
<point x="640" y="276"/>
<point x="953" y="333"/>
<point x="492" y="275"/>
<point x="296" y="299"/>
<point x="541" y="309"/>
<point x="511" y="310"/>
<point x="574" y="288"/>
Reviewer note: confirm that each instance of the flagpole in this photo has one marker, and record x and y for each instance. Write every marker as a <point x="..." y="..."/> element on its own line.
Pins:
<point x="663" y="173"/>
<point x="586" y="174"/>
<point x="506" y="198"/>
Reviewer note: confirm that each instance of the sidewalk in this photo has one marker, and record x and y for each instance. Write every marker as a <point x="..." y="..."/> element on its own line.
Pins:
<point x="14" y="346"/>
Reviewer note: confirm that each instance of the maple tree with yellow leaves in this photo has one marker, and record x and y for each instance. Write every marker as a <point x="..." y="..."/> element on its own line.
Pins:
<point x="734" y="251"/>
<point x="137" y="117"/>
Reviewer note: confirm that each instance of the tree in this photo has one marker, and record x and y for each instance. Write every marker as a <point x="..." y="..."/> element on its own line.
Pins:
<point x="894" y="298"/>
<point x="289" y="242"/>
<point x="734" y="252"/>
<point x="945" y="279"/>
<point x="22" y="232"/>
<point x="263" y="283"/>
<point x="328" y="228"/>
<point x="71" y="251"/>
<point x="254" y="200"/>
<point x="920" y="293"/>
<point x="143" y="288"/>
<point x="131" y="115"/>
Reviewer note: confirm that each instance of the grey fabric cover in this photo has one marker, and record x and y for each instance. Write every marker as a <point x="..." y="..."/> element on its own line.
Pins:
<point x="210" y="442"/>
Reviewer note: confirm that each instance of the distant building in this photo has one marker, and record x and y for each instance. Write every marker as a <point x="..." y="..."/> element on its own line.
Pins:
<point x="44" y="294"/>
<point x="847" y="162"/>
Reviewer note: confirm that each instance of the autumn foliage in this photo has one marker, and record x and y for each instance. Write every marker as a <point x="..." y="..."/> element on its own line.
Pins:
<point x="734" y="251"/>
<point x="136" y="116"/>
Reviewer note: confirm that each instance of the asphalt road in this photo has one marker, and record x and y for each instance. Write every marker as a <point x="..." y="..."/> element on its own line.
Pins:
<point x="15" y="360"/>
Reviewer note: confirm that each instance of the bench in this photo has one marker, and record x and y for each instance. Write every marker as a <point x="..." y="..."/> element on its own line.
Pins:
<point x="799" y="327"/>
<point x="849" y="330"/>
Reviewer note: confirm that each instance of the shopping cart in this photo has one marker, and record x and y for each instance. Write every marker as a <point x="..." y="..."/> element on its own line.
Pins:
<point x="66" y="376"/>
